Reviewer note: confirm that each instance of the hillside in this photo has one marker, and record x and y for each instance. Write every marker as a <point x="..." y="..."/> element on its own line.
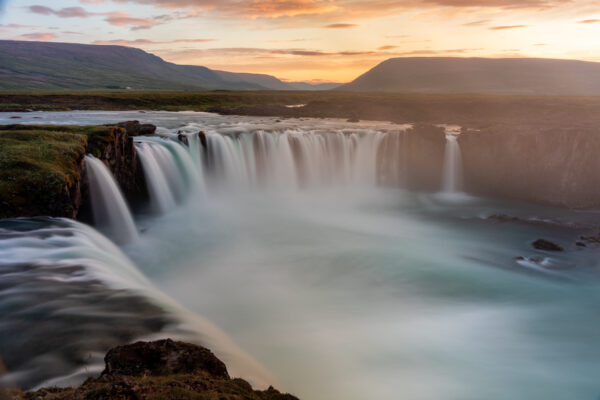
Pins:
<point x="481" y="75"/>
<point x="55" y="66"/>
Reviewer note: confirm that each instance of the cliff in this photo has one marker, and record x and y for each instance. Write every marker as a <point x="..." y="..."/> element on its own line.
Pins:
<point x="556" y="165"/>
<point x="42" y="168"/>
<point x="164" y="369"/>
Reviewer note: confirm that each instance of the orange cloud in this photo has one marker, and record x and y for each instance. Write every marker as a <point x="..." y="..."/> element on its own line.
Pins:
<point x="41" y="37"/>
<point x="505" y="27"/>
<point x="145" y="42"/>
<point x="589" y="21"/>
<point x="341" y="26"/>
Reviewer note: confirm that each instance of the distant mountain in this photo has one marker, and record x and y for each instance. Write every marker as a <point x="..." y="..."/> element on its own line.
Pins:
<point x="313" y="86"/>
<point x="481" y="75"/>
<point x="54" y="66"/>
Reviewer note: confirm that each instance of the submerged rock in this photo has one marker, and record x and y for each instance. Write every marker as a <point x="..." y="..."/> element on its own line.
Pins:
<point x="543" y="244"/>
<point x="164" y="369"/>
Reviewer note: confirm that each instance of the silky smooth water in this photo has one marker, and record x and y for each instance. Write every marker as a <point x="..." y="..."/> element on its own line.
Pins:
<point x="342" y="289"/>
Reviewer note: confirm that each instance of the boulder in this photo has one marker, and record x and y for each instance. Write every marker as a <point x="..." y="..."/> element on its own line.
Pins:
<point x="163" y="356"/>
<point x="546" y="245"/>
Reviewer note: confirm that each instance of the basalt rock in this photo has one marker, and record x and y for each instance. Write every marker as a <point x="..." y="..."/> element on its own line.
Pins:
<point x="163" y="356"/>
<point x="543" y="244"/>
<point x="202" y="137"/>
<point x="164" y="369"/>
<point x="134" y="128"/>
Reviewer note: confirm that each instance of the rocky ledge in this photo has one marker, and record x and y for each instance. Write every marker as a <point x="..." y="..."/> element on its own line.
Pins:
<point x="164" y="369"/>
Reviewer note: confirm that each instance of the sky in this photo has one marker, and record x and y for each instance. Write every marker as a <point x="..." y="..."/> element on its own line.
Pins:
<point x="313" y="40"/>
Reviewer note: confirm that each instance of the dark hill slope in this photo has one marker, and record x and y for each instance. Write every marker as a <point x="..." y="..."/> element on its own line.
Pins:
<point x="481" y="75"/>
<point x="51" y="66"/>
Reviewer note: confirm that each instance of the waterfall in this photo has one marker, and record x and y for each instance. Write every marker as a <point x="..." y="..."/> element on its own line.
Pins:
<point x="294" y="159"/>
<point x="452" y="179"/>
<point x="109" y="208"/>
<point x="171" y="171"/>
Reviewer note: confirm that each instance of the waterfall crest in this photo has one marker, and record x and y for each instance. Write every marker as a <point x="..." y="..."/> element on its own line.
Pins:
<point x="109" y="208"/>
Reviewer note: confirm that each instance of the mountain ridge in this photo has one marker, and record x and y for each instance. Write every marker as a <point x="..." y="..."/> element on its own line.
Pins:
<point x="29" y="65"/>
<point x="533" y="76"/>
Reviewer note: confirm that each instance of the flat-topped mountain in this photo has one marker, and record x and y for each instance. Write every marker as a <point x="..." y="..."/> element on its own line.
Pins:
<point x="54" y="66"/>
<point x="535" y="76"/>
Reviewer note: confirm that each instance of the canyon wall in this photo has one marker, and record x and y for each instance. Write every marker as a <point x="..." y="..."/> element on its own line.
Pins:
<point x="552" y="165"/>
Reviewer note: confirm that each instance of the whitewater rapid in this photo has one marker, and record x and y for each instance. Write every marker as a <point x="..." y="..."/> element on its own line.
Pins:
<point x="334" y="283"/>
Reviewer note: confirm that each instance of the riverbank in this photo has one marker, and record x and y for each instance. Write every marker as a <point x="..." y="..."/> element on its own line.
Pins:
<point x="469" y="110"/>
<point x="164" y="369"/>
<point x="42" y="168"/>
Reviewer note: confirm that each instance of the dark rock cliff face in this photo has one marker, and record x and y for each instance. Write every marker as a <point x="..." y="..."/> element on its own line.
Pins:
<point x="413" y="159"/>
<point x="549" y="165"/>
<point x="164" y="369"/>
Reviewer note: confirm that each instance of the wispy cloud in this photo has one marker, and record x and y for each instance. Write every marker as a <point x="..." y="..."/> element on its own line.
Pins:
<point x="42" y="36"/>
<point x="589" y="21"/>
<point x="478" y="23"/>
<point x="506" y="27"/>
<point x="341" y="26"/>
<point x="116" y="18"/>
<point x="336" y="10"/>
<point x="145" y="42"/>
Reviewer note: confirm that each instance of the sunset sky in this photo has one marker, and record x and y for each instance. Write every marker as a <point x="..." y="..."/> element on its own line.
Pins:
<point x="320" y="40"/>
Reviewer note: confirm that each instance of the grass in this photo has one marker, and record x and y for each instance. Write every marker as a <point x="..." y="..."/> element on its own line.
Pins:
<point x="38" y="163"/>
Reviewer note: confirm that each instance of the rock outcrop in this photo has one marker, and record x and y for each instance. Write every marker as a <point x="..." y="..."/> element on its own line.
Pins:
<point x="164" y="369"/>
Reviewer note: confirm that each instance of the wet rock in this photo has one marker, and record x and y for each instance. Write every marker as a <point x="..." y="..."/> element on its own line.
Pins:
<point x="134" y="128"/>
<point x="183" y="138"/>
<point x="160" y="357"/>
<point x="15" y="117"/>
<point x="164" y="369"/>
<point x="546" y="245"/>
<point x="354" y="120"/>
<point x="202" y="137"/>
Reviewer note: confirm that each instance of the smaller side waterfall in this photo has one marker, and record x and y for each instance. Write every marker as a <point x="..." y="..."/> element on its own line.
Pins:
<point x="452" y="178"/>
<point x="109" y="208"/>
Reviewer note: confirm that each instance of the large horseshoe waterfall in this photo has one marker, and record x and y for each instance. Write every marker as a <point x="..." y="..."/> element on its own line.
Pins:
<point x="316" y="255"/>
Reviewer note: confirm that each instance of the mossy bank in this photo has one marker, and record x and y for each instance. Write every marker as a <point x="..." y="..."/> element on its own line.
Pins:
<point x="42" y="168"/>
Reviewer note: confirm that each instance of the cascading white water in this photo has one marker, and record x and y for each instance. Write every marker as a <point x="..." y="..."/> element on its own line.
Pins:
<point x="452" y="179"/>
<point x="109" y="208"/>
<point x="294" y="159"/>
<point x="171" y="171"/>
<point x="74" y="273"/>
